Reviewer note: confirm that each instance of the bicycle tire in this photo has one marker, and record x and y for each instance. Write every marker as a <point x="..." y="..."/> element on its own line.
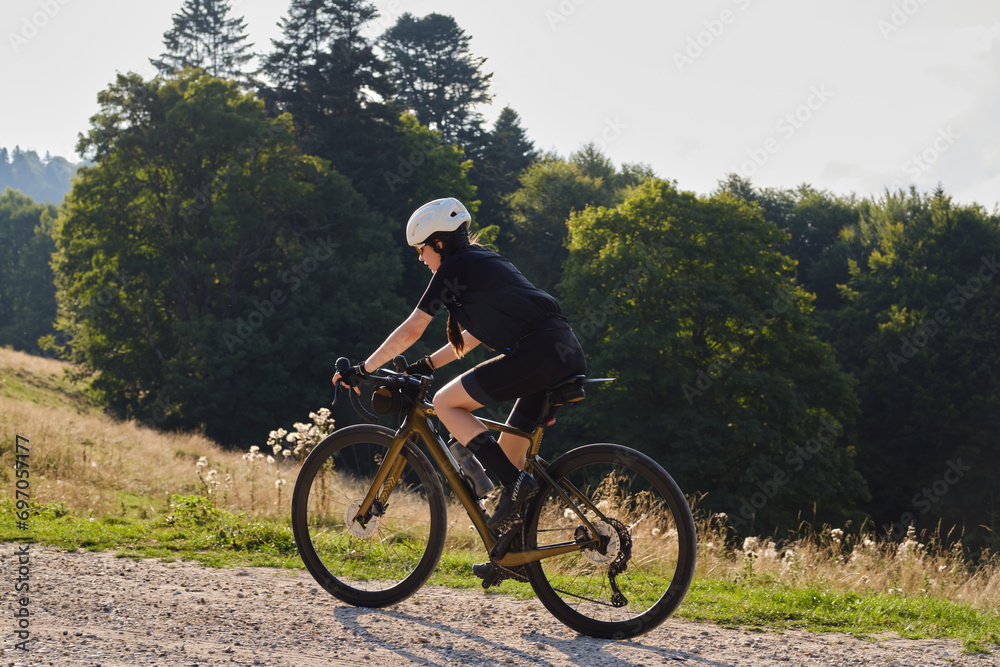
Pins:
<point x="652" y="547"/>
<point x="392" y="555"/>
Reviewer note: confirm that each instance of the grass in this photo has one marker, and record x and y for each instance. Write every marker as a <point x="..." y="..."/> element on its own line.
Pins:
<point x="105" y="485"/>
<point x="865" y="615"/>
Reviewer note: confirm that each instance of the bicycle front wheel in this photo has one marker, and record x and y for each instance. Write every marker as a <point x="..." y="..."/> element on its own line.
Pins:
<point x="644" y="566"/>
<point x="394" y="552"/>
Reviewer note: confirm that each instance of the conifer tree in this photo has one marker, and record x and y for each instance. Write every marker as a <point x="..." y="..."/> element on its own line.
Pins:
<point x="325" y="72"/>
<point x="204" y="36"/>
<point x="438" y="77"/>
<point x="499" y="159"/>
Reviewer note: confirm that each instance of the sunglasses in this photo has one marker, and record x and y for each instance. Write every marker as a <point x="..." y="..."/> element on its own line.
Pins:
<point x="420" y="248"/>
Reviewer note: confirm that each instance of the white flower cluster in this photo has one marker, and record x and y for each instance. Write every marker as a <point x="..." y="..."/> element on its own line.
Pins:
<point x="766" y="549"/>
<point x="910" y="547"/>
<point x="210" y="478"/>
<point x="305" y="437"/>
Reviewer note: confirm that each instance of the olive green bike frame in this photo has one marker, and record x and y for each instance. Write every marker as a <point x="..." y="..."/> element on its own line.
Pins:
<point x="417" y="423"/>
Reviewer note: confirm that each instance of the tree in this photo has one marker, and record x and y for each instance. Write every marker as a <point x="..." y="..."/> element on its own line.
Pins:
<point x="437" y="75"/>
<point x="202" y="36"/>
<point x="45" y="180"/>
<point x="325" y="73"/>
<point x="501" y="156"/>
<point x="27" y="291"/>
<point x="550" y="190"/>
<point x="209" y="271"/>
<point x="720" y="373"/>
<point x="918" y="329"/>
<point x="814" y="221"/>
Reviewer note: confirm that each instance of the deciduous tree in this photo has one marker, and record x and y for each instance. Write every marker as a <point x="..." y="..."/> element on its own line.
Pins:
<point x="209" y="271"/>
<point x="720" y="374"/>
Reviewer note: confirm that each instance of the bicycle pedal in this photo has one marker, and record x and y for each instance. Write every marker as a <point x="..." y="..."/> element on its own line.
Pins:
<point x="503" y="544"/>
<point x="495" y="577"/>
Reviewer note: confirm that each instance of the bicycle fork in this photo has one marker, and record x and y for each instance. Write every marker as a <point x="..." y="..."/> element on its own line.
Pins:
<point x="389" y="472"/>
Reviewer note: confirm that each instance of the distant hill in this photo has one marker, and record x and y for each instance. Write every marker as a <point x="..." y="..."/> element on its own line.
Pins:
<point x="45" y="180"/>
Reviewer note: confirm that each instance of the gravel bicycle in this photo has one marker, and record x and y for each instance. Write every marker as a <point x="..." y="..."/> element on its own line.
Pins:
<point x="608" y="544"/>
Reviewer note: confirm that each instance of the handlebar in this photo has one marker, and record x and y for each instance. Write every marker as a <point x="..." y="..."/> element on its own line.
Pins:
<point x="390" y="379"/>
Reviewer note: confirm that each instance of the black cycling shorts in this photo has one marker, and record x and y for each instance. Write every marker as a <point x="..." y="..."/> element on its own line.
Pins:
<point x="541" y="359"/>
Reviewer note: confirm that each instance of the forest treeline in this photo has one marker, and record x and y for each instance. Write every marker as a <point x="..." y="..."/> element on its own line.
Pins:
<point x="793" y="354"/>
<point x="44" y="179"/>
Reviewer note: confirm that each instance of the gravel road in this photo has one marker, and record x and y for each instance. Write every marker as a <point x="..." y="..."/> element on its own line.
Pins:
<point x="95" y="609"/>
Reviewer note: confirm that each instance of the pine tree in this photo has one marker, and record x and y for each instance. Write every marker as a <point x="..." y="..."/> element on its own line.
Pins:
<point x="203" y="36"/>
<point x="326" y="74"/>
<point x="499" y="159"/>
<point x="437" y="74"/>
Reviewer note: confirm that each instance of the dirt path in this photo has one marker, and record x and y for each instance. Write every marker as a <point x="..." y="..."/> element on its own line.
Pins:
<point x="95" y="609"/>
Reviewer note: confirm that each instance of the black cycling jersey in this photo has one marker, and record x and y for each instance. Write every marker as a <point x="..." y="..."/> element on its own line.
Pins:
<point x="489" y="297"/>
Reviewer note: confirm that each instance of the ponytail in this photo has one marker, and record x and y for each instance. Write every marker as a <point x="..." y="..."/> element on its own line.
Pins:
<point x="455" y="337"/>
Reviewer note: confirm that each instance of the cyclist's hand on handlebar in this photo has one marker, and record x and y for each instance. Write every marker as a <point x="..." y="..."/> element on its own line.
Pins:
<point x="421" y="366"/>
<point x="348" y="375"/>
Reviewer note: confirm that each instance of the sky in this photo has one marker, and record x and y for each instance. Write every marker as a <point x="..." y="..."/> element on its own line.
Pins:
<point x="854" y="96"/>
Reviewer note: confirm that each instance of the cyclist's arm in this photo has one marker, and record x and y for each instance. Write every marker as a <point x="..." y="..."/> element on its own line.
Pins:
<point x="446" y="354"/>
<point x="400" y="340"/>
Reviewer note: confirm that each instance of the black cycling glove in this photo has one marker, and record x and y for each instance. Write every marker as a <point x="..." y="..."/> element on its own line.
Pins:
<point x="421" y="366"/>
<point x="352" y="374"/>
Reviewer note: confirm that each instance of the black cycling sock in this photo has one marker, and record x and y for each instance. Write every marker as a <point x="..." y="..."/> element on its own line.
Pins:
<point x="491" y="455"/>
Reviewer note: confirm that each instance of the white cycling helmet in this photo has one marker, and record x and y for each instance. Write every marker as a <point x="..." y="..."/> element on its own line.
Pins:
<point x="440" y="215"/>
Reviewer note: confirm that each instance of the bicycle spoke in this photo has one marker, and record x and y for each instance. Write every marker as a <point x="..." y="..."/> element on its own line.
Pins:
<point x="623" y="586"/>
<point x="389" y="555"/>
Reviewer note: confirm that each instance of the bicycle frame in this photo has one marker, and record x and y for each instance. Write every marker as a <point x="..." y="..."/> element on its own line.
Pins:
<point x="417" y="423"/>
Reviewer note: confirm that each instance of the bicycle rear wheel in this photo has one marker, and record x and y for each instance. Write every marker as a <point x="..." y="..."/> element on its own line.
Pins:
<point x="645" y="565"/>
<point x="389" y="557"/>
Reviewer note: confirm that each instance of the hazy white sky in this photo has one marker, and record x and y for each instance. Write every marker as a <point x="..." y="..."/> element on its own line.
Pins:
<point x="849" y="96"/>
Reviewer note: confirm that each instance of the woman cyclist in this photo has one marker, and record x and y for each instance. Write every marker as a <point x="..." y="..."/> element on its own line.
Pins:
<point x="488" y="301"/>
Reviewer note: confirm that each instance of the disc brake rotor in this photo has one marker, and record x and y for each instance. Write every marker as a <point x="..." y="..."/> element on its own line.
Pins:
<point x="355" y="528"/>
<point x="605" y="530"/>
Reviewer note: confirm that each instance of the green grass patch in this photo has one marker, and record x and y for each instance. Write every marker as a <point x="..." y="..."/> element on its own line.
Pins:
<point x="870" y="615"/>
<point x="45" y="390"/>
<point x="192" y="529"/>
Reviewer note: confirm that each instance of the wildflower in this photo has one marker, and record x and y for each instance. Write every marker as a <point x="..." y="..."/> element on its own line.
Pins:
<point x="202" y="462"/>
<point x="270" y="459"/>
<point x="656" y="531"/>
<point x="278" y="483"/>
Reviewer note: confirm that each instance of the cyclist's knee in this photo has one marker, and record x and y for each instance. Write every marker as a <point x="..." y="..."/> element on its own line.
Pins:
<point x="454" y="396"/>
